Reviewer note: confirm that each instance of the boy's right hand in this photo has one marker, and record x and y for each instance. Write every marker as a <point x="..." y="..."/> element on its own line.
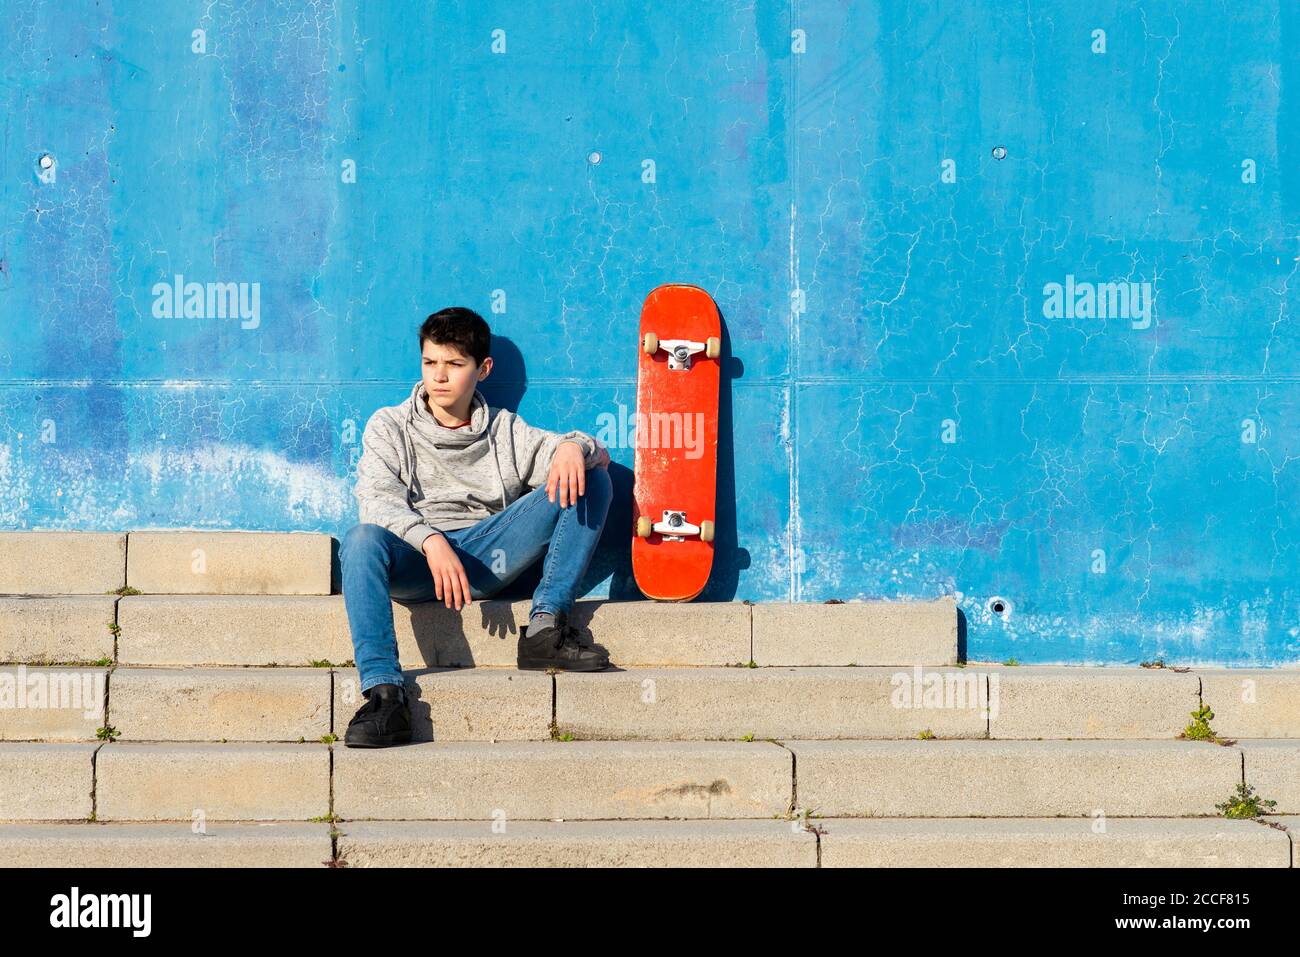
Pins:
<point x="449" y="581"/>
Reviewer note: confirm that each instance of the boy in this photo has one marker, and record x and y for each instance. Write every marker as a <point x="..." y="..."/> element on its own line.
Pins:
<point x="447" y="514"/>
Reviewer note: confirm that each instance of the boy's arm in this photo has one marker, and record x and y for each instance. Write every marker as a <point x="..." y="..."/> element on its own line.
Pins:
<point x="380" y="491"/>
<point x="535" y="448"/>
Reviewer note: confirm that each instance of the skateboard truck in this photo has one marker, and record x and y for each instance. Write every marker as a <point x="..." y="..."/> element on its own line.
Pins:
<point x="674" y="527"/>
<point x="680" y="350"/>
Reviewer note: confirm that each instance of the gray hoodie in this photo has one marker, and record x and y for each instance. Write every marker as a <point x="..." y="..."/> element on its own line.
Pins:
<point x="417" y="476"/>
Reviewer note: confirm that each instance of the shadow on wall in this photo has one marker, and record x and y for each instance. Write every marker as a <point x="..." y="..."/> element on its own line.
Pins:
<point x="505" y="388"/>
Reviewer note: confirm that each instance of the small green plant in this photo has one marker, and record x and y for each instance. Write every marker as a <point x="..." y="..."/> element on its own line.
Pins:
<point x="564" y="736"/>
<point x="107" y="733"/>
<point x="926" y="735"/>
<point x="328" y="738"/>
<point x="324" y="819"/>
<point x="1157" y="663"/>
<point x="743" y="664"/>
<point x="104" y="662"/>
<point x="124" y="590"/>
<point x="747" y="737"/>
<point x="322" y="663"/>
<point x="115" y="629"/>
<point x="806" y="819"/>
<point x="1199" y="729"/>
<point x="1245" y="803"/>
<point x="1011" y="662"/>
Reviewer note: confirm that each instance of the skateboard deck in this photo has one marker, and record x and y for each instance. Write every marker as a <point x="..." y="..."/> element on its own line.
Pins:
<point x="676" y="449"/>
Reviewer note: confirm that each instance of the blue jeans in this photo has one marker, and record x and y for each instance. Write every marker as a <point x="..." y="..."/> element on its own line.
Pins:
<point x="378" y="566"/>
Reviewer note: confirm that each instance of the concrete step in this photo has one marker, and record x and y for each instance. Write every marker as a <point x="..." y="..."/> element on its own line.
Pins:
<point x="730" y="703"/>
<point x="1015" y="778"/>
<point x="712" y="843"/>
<point x="462" y="704"/>
<point x="1088" y="702"/>
<point x="283" y="844"/>
<point x="849" y="633"/>
<point x="51" y="704"/>
<point x="287" y="630"/>
<point x="1253" y="702"/>
<point x="1019" y="702"/>
<point x="1051" y="842"/>
<point x="62" y="563"/>
<point x="212" y="782"/>
<point x="486" y="704"/>
<point x="840" y="842"/>
<point x="1272" y="768"/>
<point x="54" y="629"/>
<point x="229" y="563"/>
<point x="184" y="562"/>
<point x="482" y="704"/>
<point x="1291" y="825"/>
<point x="290" y="630"/>
<point x="46" y="782"/>
<point x="184" y="630"/>
<point x="544" y="780"/>
<point x="215" y="704"/>
<point x="293" y="704"/>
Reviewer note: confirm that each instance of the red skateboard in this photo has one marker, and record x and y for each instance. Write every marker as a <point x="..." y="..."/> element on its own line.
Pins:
<point x="676" y="464"/>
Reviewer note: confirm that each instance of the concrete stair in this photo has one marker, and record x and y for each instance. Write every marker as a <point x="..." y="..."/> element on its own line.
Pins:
<point x="195" y="724"/>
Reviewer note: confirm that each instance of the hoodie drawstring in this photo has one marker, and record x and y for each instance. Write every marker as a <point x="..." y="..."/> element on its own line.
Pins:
<point x="500" y="479"/>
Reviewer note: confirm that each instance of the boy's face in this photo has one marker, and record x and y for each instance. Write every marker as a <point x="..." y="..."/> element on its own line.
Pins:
<point x="450" y="376"/>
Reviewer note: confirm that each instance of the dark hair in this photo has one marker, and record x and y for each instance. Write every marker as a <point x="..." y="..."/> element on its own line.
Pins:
<point x="459" y="327"/>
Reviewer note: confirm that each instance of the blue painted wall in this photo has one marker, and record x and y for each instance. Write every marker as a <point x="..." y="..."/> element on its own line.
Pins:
<point x="877" y="195"/>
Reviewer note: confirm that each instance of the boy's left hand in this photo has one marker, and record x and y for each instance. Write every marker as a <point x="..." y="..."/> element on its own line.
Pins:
<point x="568" y="474"/>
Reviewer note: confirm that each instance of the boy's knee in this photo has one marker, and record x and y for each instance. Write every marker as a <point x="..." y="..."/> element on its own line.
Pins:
<point x="361" y="537"/>
<point x="598" y="480"/>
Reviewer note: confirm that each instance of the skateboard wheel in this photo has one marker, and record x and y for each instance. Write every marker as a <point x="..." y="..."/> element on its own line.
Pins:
<point x="643" y="524"/>
<point x="650" y="345"/>
<point x="706" y="531"/>
<point x="713" y="347"/>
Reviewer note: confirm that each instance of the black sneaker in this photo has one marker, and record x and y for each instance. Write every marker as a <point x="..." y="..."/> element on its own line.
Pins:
<point x="557" y="646"/>
<point x="383" y="720"/>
